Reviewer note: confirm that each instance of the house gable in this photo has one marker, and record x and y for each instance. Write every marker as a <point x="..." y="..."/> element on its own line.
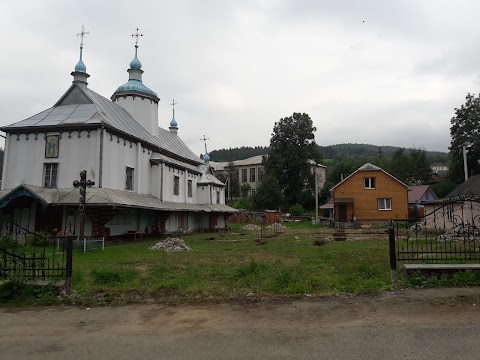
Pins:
<point x="360" y="197"/>
<point x="74" y="96"/>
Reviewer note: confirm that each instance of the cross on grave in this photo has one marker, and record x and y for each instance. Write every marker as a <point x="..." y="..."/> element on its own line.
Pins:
<point x="82" y="185"/>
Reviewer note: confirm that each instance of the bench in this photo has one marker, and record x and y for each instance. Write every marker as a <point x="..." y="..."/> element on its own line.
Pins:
<point x="135" y="234"/>
<point x="437" y="269"/>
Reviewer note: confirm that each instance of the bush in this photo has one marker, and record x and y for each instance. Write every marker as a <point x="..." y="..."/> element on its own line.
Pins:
<point x="296" y="210"/>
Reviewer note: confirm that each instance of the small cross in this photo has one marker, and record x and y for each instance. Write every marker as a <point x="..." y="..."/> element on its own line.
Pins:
<point x="136" y="35"/>
<point x="173" y="107"/>
<point x="82" y="34"/>
<point x="205" y="140"/>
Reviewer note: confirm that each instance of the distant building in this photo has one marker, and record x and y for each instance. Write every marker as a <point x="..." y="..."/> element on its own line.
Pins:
<point x="251" y="171"/>
<point x="439" y="171"/>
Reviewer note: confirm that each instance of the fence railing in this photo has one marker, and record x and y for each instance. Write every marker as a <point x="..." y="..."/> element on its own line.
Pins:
<point x="30" y="256"/>
<point x="449" y="233"/>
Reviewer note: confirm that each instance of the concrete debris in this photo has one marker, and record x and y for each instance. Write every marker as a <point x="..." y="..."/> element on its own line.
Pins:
<point x="171" y="244"/>
<point x="276" y="226"/>
<point x="251" y="227"/>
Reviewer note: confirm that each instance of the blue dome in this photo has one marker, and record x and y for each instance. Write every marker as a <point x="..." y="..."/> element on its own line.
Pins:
<point x="206" y="157"/>
<point x="80" y="67"/>
<point x="135" y="85"/>
<point x="173" y="123"/>
<point x="135" y="64"/>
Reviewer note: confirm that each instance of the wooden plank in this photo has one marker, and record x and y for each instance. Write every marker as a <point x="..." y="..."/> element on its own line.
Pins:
<point x="440" y="267"/>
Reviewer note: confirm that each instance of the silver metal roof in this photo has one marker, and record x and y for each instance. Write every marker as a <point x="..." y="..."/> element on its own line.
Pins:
<point x="166" y="159"/>
<point x="111" y="197"/>
<point x="78" y="107"/>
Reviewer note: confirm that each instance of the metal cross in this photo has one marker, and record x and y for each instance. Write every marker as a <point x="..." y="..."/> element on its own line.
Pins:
<point x="205" y="140"/>
<point x="82" y="185"/>
<point x="136" y="35"/>
<point x="82" y="34"/>
<point x="173" y="106"/>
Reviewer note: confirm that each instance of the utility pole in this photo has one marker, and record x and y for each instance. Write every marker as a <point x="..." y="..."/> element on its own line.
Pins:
<point x="465" y="166"/>
<point x="316" y="197"/>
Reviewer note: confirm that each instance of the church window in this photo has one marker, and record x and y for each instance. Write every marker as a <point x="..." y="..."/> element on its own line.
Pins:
<point x="244" y="175"/>
<point x="129" y="178"/>
<point x="190" y="188"/>
<point x="50" y="173"/>
<point x="176" y="185"/>
<point x="218" y="197"/>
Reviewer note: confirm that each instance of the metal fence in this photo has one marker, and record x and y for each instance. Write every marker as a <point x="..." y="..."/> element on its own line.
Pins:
<point x="448" y="233"/>
<point x="30" y="256"/>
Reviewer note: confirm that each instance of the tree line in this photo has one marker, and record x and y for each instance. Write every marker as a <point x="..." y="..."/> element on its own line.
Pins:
<point x="327" y="152"/>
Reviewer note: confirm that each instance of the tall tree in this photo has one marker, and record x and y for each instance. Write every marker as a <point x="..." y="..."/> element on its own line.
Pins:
<point x="292" y="147"/>
<point x="268" y="194"/>
<point x="419" y="167"/>
<point x="465" y="131"/>
<point x="234" y="184"/>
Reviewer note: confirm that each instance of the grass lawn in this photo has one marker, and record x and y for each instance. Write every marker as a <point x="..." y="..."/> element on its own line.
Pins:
<point x="223" y="267"/>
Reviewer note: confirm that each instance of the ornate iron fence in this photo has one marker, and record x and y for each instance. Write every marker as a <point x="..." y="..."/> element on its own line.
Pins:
<point x="31" y="256"/>
<point x="449" y="232"/>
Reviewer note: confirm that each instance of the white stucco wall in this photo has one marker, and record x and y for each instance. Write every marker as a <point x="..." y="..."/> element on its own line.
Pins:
<point x="119" y="154"/>
<point x="143" y="110"/>
<point x="25" y="159"/>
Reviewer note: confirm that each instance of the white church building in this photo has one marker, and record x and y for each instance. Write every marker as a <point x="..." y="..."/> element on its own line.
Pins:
<point x="146" y="178"/>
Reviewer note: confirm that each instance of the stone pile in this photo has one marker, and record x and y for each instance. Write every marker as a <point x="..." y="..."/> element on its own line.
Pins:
<point x="276" y="226"/>
<point x="171" y="244"/>
<point x="251" y="227"/>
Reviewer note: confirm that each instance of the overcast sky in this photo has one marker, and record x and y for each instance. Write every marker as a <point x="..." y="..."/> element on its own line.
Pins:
<point x="371" y="71"/>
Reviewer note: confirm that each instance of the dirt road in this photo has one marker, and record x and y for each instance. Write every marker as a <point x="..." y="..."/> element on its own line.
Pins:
<point x="422" y="324"/>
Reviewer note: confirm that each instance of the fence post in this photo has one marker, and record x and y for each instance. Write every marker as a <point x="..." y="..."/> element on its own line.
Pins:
<point x="393" y="255"/>
<point x="68" y="275"/>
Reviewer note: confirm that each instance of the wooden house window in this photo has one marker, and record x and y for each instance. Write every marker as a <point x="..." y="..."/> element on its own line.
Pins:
<point x="176" y="185"/>
<point x="384" y="204"/>
<point x="369" y="182"/>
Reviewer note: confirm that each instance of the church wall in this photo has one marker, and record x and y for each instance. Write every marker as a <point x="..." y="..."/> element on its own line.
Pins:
<point x="26" y="158"/>
<point x="203" y="194"/>
<point x="155" y="183"/>
<point x="117" y="156"/>
<point x="145" y="111"/>
<point x="169" y="174"/>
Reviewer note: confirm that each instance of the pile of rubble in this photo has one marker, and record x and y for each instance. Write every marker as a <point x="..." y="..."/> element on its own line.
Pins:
<point x="171" y="244"/>
<point x="276" y="226"/>
<point x="251" y="227"/>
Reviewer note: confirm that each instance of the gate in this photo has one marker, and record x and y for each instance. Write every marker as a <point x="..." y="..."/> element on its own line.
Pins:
<point x="31" y="256"/>
<point x="449" y="232"/>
